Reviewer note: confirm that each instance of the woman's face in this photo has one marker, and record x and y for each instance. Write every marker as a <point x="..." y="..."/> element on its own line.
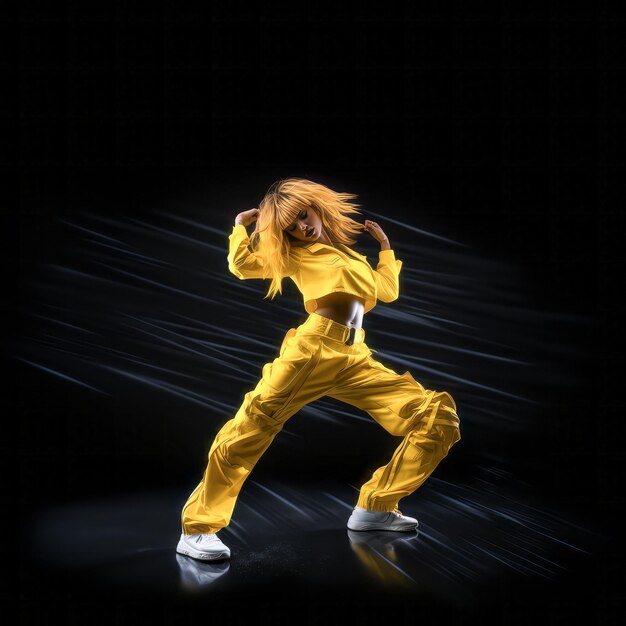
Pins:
<point x="307" y="227"/>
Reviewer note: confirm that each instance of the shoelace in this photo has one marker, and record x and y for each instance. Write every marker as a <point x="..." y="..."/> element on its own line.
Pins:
<point x="397" y="512"/>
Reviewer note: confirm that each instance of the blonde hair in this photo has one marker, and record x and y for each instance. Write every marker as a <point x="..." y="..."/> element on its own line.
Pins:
<point x="281" y="205"/>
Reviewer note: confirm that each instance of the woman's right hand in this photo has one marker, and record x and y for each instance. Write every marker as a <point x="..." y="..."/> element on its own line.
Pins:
<point x="247" y="217"/>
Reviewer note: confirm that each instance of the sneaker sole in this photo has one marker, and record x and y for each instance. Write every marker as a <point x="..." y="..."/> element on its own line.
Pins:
<point x="202" y="556"/>
<point x="375" y="526"/>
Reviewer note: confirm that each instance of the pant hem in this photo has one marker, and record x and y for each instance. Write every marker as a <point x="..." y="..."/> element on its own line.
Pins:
<point x="206" y="530"/>
<point x="382" y="507"/>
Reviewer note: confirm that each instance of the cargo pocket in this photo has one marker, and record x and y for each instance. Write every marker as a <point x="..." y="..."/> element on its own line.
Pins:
<point x="448" y="435"/>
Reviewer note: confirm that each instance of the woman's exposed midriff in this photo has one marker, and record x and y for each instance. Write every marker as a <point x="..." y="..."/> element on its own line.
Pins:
<point x="343" y="308"/>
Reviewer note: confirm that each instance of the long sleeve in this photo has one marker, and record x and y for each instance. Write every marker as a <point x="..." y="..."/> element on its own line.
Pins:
<point x="241" y="261"/>
<point x="386" y="275"/>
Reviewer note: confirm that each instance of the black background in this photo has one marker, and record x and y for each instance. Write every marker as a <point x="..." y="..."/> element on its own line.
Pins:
<point x="496" y="124"/>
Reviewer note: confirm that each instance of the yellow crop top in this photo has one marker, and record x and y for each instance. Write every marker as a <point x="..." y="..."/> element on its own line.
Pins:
<point x="318" y="269"/>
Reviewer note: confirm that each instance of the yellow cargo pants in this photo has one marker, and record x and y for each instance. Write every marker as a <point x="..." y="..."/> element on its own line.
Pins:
<point x="320" y="358"/>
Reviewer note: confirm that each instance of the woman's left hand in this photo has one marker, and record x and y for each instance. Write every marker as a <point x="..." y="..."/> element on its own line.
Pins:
<point x="375" y="231"/>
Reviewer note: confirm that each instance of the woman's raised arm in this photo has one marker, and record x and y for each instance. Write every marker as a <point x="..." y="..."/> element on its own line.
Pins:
<point x="241" y="261"/>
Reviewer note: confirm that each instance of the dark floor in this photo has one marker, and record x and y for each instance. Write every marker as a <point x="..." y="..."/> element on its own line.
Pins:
<point x="473" y="543"/>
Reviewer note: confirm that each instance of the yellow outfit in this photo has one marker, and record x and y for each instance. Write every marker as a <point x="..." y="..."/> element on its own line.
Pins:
<point x="314" y="360"/>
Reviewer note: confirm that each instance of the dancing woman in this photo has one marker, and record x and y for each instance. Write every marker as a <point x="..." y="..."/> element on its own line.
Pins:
<point x="303" y="231"/>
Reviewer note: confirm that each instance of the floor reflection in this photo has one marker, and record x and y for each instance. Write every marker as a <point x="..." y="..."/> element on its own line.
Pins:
<point x="196" y="575"/>
<point x="378" y="557"/>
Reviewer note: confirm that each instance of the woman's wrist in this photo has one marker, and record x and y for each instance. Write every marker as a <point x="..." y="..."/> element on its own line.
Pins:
<point x="239" y="221"/>
<point x="384" y="244"/>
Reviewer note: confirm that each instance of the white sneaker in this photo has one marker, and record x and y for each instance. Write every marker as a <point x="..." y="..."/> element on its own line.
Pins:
<point x="207" y="547"/>
<point x="362" y="519"/>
